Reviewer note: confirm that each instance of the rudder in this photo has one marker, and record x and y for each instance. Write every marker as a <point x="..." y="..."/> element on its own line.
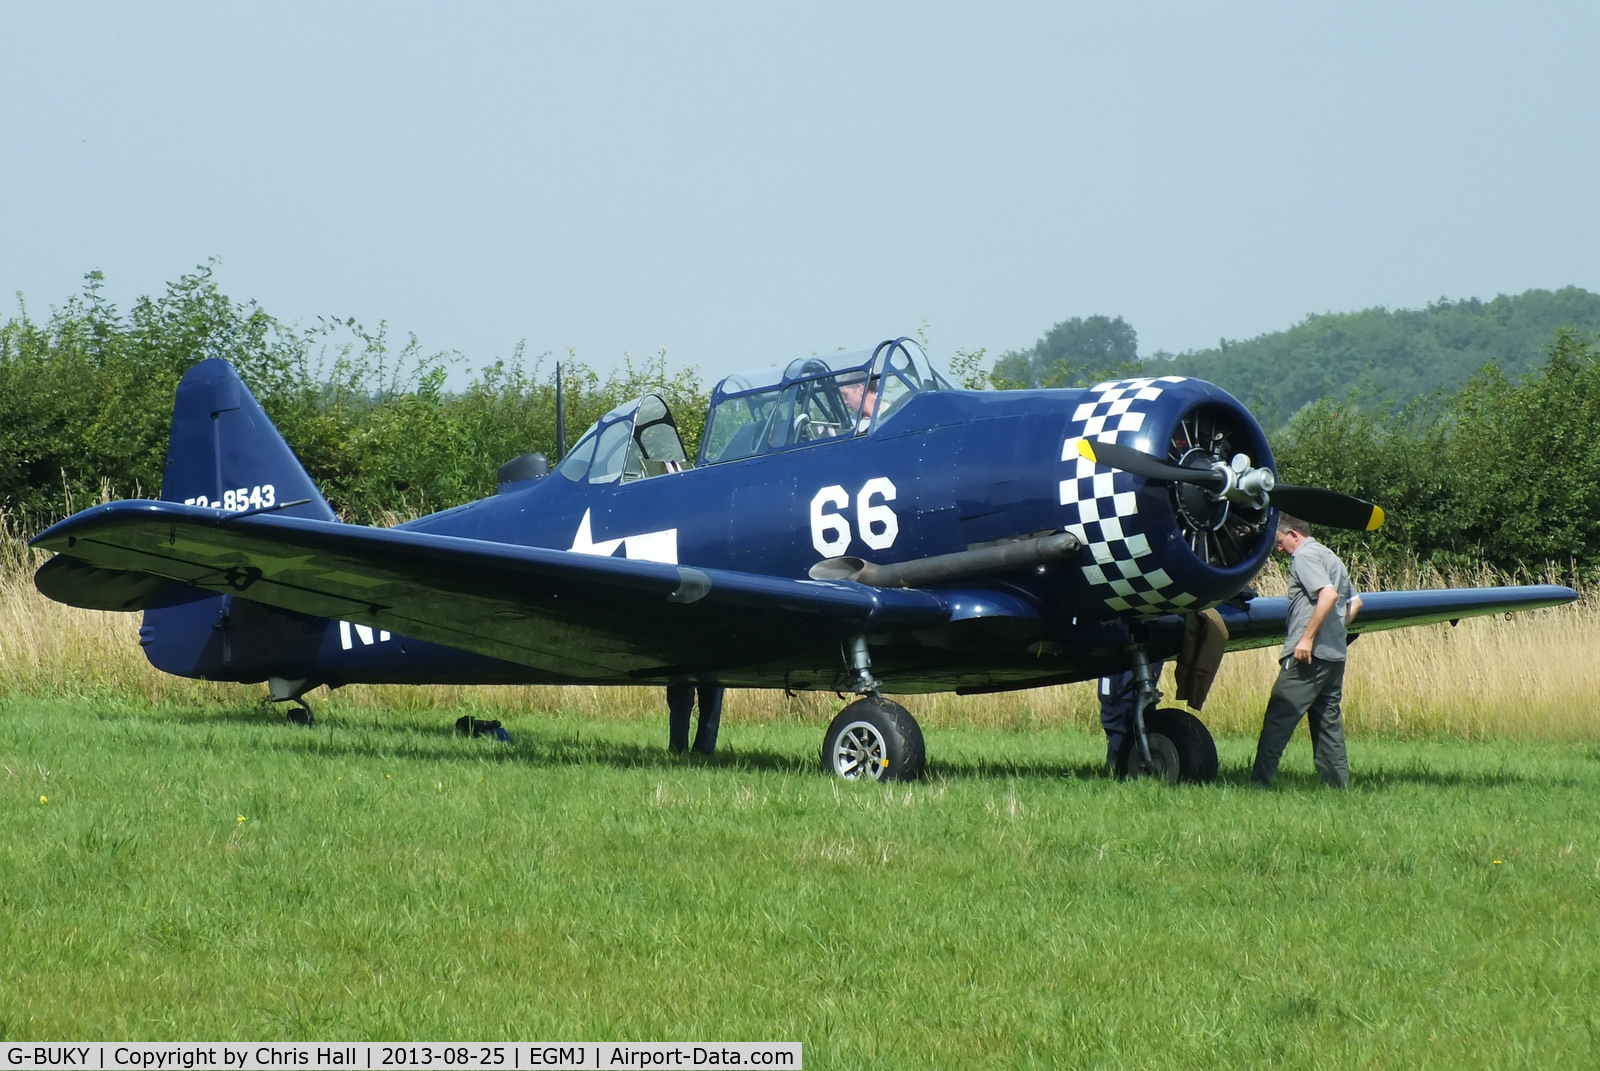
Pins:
<point x="225" y="453"/>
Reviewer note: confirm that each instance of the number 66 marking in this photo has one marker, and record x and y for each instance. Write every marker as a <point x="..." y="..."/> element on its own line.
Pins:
<point x="878" y="525"/>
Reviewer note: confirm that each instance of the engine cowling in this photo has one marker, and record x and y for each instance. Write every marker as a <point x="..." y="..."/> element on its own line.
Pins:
<point x="1153" y="547"/>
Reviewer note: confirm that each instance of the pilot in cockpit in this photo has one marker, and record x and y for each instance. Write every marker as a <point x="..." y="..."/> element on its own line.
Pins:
<point x="860" y="397"/>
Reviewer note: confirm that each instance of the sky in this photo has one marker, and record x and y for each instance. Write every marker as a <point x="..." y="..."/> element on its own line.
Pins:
<point x="744" y="183"/>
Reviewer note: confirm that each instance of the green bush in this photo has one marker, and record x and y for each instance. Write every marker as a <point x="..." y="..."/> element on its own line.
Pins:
<point x="1499" y="473"/>
<point x="86" y="403"/>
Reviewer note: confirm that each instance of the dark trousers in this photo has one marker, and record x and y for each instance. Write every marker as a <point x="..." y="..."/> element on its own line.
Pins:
<point x="1119" y="700"/>
<point x="680" y="703"/>
<point x="1305" y="691"/>
<point x="1119" y="696"/>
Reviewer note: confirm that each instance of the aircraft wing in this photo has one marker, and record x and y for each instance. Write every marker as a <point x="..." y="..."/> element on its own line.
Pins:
<point x="1264" y="622"/>
<point x="565" y="612"/>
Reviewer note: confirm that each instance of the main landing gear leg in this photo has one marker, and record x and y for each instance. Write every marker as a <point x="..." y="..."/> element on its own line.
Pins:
<point x="1169" y="743"/>
<point x="872" y="737"/>
<point x="280" y="690"/>
<point x="1149" y="695"/>
<point x="861" y="662"/>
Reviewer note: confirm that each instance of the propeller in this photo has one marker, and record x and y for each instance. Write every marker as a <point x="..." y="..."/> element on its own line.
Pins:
<point x="1332" y="508"/>
<point x="1239" y="482"/>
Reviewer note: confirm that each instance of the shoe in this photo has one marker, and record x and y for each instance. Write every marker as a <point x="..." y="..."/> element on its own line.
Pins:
<point x="467" y="725"/>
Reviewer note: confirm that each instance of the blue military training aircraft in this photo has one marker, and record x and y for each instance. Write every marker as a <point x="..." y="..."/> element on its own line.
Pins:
<point x="852" y="524"/>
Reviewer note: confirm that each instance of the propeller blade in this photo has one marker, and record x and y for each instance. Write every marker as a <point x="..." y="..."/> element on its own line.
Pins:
<point x="1140" y="463"/>
<point x="1312" y="504"/>
<point x="1335" y="509"/>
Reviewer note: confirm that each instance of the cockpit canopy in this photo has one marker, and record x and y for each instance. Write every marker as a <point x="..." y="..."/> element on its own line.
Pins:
<point x="814" y="399"/>
<point x="632" y="441"/>
<point x="810" y="400"/>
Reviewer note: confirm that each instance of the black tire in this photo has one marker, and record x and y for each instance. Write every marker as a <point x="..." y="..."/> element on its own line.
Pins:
<point x="300" y="714"/>
<point x="874" y="738"/>
<point x="1181" y="749"/>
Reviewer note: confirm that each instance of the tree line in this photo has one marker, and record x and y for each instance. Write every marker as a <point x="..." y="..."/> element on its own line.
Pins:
<point x="1501" y="472"/>
<point x="1502" y="469"/>
<point x="86" y="403"/>
<point x="1392" y="356"/>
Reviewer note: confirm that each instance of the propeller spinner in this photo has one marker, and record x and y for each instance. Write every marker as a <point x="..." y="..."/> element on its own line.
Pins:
<point x="1239" y="482"/>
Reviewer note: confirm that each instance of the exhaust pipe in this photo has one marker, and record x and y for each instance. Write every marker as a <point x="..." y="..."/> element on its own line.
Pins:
<point x="1002" y="558"/>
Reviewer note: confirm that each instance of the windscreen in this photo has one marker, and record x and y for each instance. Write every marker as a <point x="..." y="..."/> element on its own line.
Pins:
<point x="817" y="399"/>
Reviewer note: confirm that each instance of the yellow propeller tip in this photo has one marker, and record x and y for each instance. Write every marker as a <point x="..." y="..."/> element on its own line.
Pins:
<point x="1376" y="520"/>
<point x="1085" y="450"/>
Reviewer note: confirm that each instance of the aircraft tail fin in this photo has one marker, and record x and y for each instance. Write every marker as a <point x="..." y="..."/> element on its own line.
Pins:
<point x="225" y="453"/>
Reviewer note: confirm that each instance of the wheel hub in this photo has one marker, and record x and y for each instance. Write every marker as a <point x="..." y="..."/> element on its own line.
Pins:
<point x="861" y="751"/>
<point x="1164" y="761"/>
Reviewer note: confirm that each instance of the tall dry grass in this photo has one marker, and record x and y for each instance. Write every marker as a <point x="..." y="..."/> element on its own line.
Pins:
<point x="1530" y="676"/>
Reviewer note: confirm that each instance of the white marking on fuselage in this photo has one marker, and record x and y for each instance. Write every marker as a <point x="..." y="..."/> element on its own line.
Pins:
<point x="363" y="633"/>
<point x="659" y="546"/>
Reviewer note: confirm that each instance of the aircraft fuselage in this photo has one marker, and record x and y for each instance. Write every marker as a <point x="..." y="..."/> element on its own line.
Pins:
<point x="948" y="471"/>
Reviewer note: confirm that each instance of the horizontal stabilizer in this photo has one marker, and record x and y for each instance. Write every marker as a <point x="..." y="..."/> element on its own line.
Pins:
<point x="77" y="583"/>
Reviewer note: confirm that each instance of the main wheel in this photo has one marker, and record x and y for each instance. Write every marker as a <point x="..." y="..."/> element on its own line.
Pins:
<point x="1181" y="749"/>
<point x="874" y="738"/>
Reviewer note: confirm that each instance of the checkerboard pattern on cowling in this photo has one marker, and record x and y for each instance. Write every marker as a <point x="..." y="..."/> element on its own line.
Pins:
<point x="1123" y="572"/>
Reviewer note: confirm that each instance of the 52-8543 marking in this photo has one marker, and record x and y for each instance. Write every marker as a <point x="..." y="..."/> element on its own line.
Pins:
<point x="239" y="499"/>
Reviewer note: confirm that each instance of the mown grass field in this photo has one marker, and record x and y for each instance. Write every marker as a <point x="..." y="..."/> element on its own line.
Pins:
<point x="176" y="862"/>
<point x="202" y="872"/>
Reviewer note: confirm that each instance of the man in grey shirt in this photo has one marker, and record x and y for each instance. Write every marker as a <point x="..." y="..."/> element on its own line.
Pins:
<point x="1322" y="604"/>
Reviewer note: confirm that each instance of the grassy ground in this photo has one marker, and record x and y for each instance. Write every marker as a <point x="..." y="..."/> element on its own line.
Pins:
<point x="175" y="862"/>
<point x="200" y="870"/>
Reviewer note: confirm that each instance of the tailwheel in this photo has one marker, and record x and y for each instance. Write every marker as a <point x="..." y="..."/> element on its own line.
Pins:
<point x="292" y="691"/>
<point x="1181" y="749"/>
<point x="874" y="738"/>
